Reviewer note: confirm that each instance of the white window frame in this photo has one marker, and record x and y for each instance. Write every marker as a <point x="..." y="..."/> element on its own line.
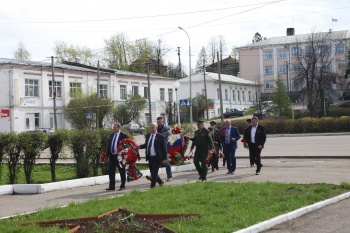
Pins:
<point x="123" y="92"/>
<point x="103" y="91"/>
<point x="282" y="68"/>
<point x="31" y="87"/>
<point x="269" y="84"/>
<point x="340" y="48"/>
<point x="268" y="69"/>
<point x="162" y="94"/>
<point x="58" y="88"/>
<point x="268" y="55"/>
<point x="282" y="54"/>
<point x="73" y="87"/>
<point x="135" y="90"/>
<point x="170" y="94"/>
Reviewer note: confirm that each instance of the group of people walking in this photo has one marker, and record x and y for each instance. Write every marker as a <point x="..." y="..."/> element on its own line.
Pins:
<point x="212" y="144"/>
<point x="156" y="154"/>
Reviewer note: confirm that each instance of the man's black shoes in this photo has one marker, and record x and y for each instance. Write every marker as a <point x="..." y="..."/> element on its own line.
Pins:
<point x="109" y="189"/>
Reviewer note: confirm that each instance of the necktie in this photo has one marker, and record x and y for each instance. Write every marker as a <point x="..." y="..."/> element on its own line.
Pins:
<point x="149" y="145"/>
<point x="227" y="136"/>
<point x="113" y="143"/>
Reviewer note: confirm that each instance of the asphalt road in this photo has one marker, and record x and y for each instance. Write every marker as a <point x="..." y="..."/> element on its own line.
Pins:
<point x="325" y="145"/>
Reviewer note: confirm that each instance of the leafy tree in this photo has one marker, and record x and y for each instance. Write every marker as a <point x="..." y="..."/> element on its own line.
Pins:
<point x="104" y="135"/>
<point x="56" y="142"/>
<point x="84" y="144"/>
<point x="141" y="51"/>
<point x="282" y="104"/>
<point x="201" y="61"/>
<point x="12" y="155"/>
<point x="199" y="106"/>
<point x="75" y="111"/>
<point x="32" y="143"/>
<point x="65" y="52"/>
<point x="117" y="51"/>
<point x="130" y="109"/>
<point x="2" y="146"/>
<point x="314" y="77"/>
<point x="21" y="52"/>
<point x="257" y="37"/>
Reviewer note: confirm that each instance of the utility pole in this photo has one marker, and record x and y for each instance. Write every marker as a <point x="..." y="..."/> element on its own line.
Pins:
<point x="178" y="53"/>
<point x="149" y="95"/>
<point x="220" y="91"/>
<point x="205" y="90"/>
<point x="287" y="76"/>
<point x="98" y="95"/>
<point x="54" y="93"/>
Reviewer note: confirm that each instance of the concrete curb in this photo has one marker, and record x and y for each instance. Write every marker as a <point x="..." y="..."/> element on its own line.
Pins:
<point x="268" y="224"/>
<point x="42" y="188"/>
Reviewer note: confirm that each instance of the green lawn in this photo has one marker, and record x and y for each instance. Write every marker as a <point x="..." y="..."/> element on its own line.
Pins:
<point x="225" y="207"/>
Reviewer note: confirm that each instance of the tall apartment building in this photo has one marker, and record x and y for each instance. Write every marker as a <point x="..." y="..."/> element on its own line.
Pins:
<point x="263" y="61"/>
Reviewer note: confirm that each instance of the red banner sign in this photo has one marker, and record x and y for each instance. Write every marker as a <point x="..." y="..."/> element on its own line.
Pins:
<point x="4" y="112"/>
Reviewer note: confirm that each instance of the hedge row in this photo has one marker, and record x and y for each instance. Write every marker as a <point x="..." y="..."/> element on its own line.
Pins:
<point x="304" y="125"/>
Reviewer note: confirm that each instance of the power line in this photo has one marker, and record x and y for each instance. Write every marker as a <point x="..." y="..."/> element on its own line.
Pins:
<point x="138" y="17"/>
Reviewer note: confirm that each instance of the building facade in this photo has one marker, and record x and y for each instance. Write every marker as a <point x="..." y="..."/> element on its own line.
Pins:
<point x="26" y="101"/>
<point x="236" y="92"/>
<point x="263" y="61"/>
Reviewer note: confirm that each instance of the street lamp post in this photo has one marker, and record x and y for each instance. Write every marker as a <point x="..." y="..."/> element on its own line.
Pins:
<point x="189" y="56"/>
<point x="177" y="86"/>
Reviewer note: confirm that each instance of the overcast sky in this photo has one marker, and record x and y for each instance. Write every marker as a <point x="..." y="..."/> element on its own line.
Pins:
<point x="38" y="24"/>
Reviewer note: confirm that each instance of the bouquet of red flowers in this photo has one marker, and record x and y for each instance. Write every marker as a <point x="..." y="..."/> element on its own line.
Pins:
<point x="223" y="132"/>
<point x="245" y="143"/>
<point x="103" y="157"/>
<point x="176" y="130"/>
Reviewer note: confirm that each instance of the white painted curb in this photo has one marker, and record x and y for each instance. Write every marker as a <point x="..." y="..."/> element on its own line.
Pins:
<point x="42" y="188"/>
<point x="268" y="224"/>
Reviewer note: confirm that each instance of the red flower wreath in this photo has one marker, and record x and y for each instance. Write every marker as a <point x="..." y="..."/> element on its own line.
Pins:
<point x="127" y="156"/>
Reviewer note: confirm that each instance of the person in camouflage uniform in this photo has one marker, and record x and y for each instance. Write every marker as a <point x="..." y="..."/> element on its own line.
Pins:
<point x="203" y="143"/>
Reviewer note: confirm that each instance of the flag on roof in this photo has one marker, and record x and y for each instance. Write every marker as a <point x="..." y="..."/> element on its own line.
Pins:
<point x="334" y="20"/>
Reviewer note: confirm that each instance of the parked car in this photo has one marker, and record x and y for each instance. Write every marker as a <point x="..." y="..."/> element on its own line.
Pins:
<point x="344" y="95"/>
<point x="234" y="112"/>
<point x="260" y="114"/>
<point x="133" y="128"/>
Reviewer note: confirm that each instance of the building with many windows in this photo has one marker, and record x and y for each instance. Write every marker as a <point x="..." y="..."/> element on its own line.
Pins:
<point x="26" y="101"/>
<point x="263" y="61"/>
<point x="236" y="92"/>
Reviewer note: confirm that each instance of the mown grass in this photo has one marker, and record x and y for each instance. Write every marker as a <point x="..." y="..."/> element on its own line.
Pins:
<point x="225" y="207"/>
<point x="42" y="174"/>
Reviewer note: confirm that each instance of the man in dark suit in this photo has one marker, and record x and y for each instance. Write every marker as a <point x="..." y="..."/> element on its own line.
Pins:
<point x="255" y="135"/>
<point x="156" y="153"/>
<point x="229" y="136"/>
<point x="112" y="153"/>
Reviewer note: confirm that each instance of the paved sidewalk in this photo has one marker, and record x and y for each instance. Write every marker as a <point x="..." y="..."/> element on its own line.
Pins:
<point x="308" y="170"/>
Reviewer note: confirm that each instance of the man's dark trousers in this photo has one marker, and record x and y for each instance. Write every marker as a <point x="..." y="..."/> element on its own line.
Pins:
<point x="113" y="163"/>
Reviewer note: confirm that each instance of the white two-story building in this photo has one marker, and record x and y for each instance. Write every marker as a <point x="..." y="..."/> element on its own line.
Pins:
<point x="236" y="92"/>
<point x="26" y="101"/>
